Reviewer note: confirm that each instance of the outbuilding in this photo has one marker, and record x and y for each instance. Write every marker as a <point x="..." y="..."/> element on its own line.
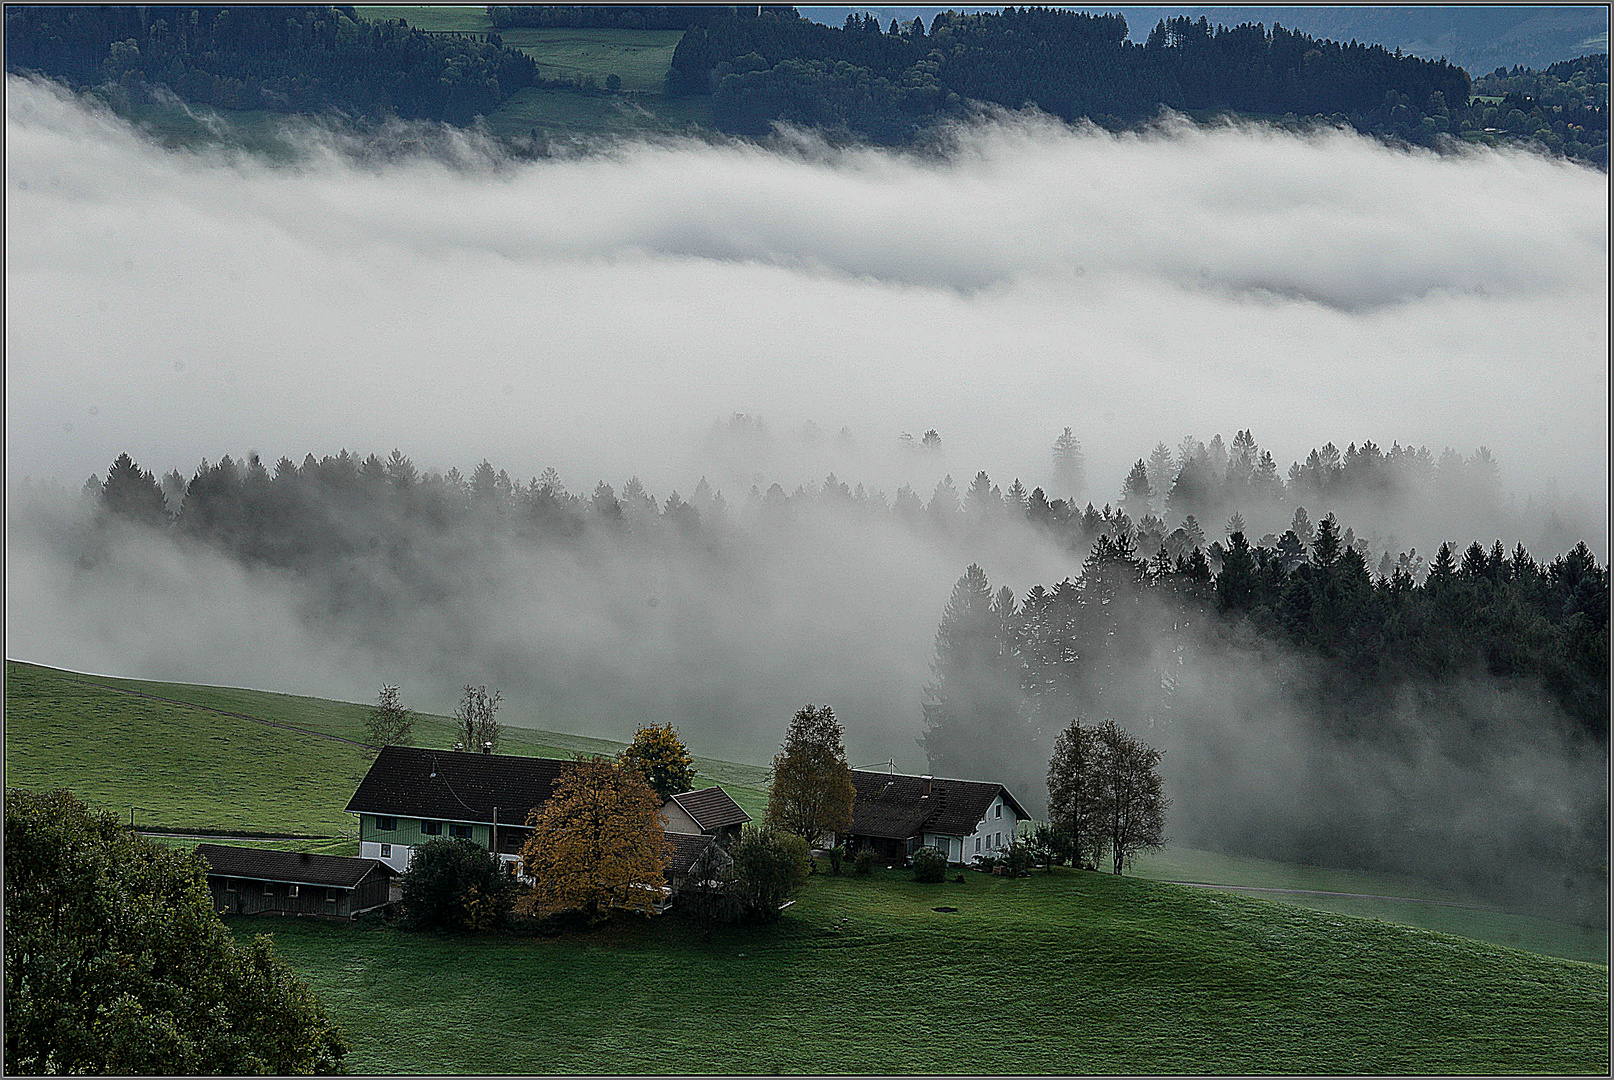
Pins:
<point x="254" y="881"/>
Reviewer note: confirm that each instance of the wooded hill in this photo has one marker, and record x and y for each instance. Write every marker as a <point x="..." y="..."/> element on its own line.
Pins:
<point x="765" y="65"/>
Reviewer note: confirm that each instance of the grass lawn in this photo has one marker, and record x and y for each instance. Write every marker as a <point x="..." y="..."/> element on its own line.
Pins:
<point x="640" y="58"/>
<point x="1458" y="913"/>
<point x="1071" y="973"/>
<point x="463" y="18"/>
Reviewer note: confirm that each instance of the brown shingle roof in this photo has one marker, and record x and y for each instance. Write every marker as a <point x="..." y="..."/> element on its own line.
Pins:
<point x="686" y="848"/>
<point x="304" y="868"/>
<point x="894" y="805"/>
<point x="712" y="808"/>
<point x="465" y="787"/>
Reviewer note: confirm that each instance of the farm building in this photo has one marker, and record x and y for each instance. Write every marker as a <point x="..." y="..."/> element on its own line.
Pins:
<point x="253" y="881"/>
<point x="895" y="814"/>
<point x="707" y="812"/>
<point x="412" y="795"/>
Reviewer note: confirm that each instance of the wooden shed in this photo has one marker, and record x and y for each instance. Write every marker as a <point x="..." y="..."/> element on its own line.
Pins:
<point x="253" y="881"/>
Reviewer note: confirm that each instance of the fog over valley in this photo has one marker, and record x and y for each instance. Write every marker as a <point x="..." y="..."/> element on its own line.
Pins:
<point x="791" y="365"/>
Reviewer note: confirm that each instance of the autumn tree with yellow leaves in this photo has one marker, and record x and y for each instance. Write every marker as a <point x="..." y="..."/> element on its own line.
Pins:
<point x="598" y="841"/>
<point x="659" y="754"/>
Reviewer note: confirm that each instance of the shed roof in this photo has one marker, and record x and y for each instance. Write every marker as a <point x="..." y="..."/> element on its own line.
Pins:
<point x="302" y="867"/>
<point x="454" y="785"/>
<point x="895" y="806"/>
<point x="686" y="848"/>
<point x="712" y="808"/>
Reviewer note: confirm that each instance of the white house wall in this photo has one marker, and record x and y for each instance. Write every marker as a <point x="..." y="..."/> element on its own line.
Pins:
<point x="398" y="859"/>
<point x="999" y="829"/>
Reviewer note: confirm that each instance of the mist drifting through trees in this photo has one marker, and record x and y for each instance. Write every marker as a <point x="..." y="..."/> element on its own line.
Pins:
<point x="875" y="334"/>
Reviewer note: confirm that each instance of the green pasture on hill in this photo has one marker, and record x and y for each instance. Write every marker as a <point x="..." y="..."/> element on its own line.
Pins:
<point x="1069" y="973"/>
<point x="640" y="58"/>
<point x="187" y="768"/>
<point x="190" y="768"/>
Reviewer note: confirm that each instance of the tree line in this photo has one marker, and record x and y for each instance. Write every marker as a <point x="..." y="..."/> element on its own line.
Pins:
<point x="887" y="85"/>
<point x="288" y="59"/>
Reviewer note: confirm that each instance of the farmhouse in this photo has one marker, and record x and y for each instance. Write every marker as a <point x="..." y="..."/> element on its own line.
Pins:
<point x="412" y="795"/>
<point x="896" y="814"/>
<point x="252" y="881"/>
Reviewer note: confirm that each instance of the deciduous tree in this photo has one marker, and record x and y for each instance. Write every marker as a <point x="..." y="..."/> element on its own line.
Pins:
<point x="812" y="783"/>
<point x="1134" y="806"/>
<point x="1077" y="792"/>
<point x="115" y="961"/>
<point x="659" y="755"/>
<point x="599" y="840"/>
<point x="389" y="723"/>
<point x="477" y="718"/>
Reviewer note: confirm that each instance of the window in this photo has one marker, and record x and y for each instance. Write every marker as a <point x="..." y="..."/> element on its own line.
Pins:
<point x="977" y="843"/>
<point x="292" y="891"/>
<point x="999" y="810"/>
<point x="386" y="824"/>
<point x="431" y="828"/>
<point x="268" y="888"/>
<point x="330" y="896"/>
<point x="1000" y="839"/>
<point x="386" y="851"/>
<point x="229" y="884"/>
<point x="462" y="832"/>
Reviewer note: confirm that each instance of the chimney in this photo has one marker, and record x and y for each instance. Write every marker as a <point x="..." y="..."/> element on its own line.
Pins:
<point x="926" y="793"/>
<point x="487" y="748"/>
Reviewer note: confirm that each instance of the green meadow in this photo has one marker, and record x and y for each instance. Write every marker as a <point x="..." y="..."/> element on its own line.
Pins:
<point x="1069" y="973"/>
<point x="190" y="768"/>
<point x="185" y="767"/>
<point x="452" y="18"/>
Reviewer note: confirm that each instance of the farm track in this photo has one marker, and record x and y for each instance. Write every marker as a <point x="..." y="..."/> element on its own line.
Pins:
<point x="220" y="712"/>
<point x="1323" y="892"/>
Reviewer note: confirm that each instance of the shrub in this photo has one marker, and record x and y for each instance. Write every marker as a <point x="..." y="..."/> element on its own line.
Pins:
<point x="1018" y="860"/>
<point x="769" y="865"/>
<point x="864" y="860"/>
<point x="836" y="855"/>
<point x="455" y="885"/>
<point x="929" y="865"/>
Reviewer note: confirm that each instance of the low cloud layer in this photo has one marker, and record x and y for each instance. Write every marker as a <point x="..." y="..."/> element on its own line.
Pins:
<point x="595" y="313"/>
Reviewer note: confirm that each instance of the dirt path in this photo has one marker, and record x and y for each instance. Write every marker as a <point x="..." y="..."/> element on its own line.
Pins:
<point x="230" y="836"/>
<point x="1321" y="892"/>
<point x="218" y="712"/>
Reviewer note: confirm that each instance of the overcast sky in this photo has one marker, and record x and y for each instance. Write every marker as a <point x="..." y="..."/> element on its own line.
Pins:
<point x="597" y="314"/>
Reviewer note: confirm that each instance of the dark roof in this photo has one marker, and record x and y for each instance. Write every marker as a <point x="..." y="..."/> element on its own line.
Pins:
<point x="336" y="871"/>
<point x="686" y="848"/>
<point x="465" y="787"/>
<point x="712" y="808"/>
<point x="893" y="805"/>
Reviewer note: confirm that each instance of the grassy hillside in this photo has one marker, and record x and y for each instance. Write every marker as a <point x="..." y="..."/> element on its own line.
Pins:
<point x="1074" y="973"/>
<point x="191" y="768"/>
<point x="188" y="768"/>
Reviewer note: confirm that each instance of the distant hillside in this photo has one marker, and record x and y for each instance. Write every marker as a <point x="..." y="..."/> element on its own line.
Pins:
<point x="1477" y="38"/>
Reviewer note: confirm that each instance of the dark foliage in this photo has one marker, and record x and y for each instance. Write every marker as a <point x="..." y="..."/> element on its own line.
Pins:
<point x="284" y="59"/>
<point x="929" y="865"/>
<point x="115" y="961"/>
<point x="455" y="885"/>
